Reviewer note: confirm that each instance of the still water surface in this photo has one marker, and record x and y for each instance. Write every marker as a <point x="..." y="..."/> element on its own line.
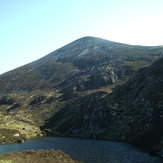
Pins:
<point x="87" y="150"/>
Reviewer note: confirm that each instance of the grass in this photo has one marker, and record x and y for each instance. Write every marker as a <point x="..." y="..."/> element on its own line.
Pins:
<point x="136" y="64"/>
<point x="27" y="118"/>
<point x="40" y="156"/>
<point x="7" y="136"/>
<point x="25" y="129"/>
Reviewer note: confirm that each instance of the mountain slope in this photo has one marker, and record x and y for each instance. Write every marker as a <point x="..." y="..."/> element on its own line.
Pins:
<point x="76" y="75"/>
<point x="133" y="112"/>
<point x="79" y="60"/>
<point x="141" y="102"/>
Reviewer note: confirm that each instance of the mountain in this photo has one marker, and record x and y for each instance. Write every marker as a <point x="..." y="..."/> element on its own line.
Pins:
<point x="74" y="79"/>
<point x="93" y="61"/>
<point x="138" y="105"/>
<point x="133" y="112"/>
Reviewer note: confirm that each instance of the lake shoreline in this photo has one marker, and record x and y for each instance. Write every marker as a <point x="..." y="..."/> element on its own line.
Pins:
<point x="82" y="149"/>
<point x="142" y="147"/>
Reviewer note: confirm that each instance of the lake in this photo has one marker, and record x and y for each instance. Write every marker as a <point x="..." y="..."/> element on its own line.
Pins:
<point x="87" y="150"/>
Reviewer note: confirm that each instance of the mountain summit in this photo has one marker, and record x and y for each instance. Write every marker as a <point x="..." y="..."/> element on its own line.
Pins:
<point x="83" y="47"/>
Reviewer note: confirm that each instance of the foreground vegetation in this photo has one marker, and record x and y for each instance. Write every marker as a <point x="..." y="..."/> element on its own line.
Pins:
<point x="10" y="136"/>
<point x="40" y="156"/>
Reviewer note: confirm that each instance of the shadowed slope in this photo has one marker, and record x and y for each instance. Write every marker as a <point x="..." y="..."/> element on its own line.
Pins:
<point x="133" y="112"/>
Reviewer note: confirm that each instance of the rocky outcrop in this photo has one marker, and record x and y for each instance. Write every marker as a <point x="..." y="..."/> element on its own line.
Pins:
<point x="37" y="100"/>
<point x="94" y="78"/>
<point x="6" y="100"/>
<point x="13" y="107"/>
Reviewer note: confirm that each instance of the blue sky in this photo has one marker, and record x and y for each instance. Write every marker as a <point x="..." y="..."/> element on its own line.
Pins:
<point x="30" y="29"/>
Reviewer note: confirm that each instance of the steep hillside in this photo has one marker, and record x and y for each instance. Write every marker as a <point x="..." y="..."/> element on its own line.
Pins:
<point x="139" y="106"/>
<point x="80" y="64"/>
<point x="133" y="112"/>
<point x="68" y="79"/>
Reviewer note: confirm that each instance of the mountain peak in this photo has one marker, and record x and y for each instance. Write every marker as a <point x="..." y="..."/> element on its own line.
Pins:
<point x="91" y="38"/>
<point x="87" y="45"/>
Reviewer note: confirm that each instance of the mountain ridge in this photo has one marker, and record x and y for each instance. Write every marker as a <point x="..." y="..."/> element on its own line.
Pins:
<point x="83" y="39"/>
<point x="78" y="56"/>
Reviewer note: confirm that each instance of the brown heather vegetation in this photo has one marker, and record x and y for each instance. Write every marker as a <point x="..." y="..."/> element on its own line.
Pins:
<point x="40" y="156"/>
